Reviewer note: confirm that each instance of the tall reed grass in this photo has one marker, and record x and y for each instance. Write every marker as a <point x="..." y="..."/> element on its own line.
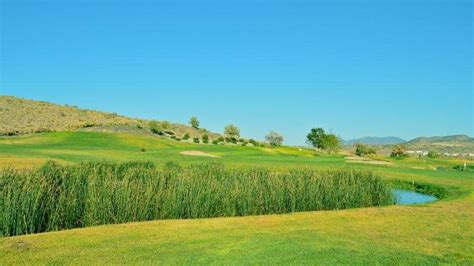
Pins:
<point x="56" y="197"/>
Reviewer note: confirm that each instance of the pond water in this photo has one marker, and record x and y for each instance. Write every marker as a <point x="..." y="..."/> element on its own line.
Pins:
<point x="411" y="197"/>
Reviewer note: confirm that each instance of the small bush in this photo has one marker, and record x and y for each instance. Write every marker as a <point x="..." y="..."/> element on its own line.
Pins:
<point x="196" y="140"/>
<point x="205" y="139"/>
<point x="433" y="154"/>
<point x="362" y="150"/>
<point x="231" y="140"/>
<point x="166" y="125"/>
<point x="186" y="136"/>
<point x="143" y="150"/>
<point x="220" y="139"/>
<point x="215" y="142"/>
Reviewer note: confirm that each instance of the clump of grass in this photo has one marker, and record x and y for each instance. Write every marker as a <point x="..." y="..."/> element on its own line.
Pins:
<point x="56" y="197"/>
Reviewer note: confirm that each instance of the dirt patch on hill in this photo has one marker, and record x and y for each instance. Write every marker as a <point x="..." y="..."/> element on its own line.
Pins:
<point x="198" y="153"/>
<point x="353" y="159"/>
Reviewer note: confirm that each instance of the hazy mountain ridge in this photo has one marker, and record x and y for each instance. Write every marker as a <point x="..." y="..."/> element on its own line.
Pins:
<point x="444" y="144"/>
<point x="375" y="141"/>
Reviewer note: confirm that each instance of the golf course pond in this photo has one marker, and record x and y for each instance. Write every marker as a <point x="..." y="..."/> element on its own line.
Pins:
<point x="403" y="196"/>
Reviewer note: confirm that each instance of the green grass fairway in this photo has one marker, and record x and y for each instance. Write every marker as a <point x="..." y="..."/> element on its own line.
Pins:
<point x="439" y="232"/>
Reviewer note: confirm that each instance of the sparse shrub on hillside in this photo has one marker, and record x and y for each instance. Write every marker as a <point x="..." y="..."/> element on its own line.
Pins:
<point x="155" y="127"/>
<point x="186" y="136"/>
<point x="196" y="140"/>
<point x="205" y="138"/>
<point x="220" y="139"/>
<point x="165" y="125"/>
<point x="231" y="140"/>
<point x="86" y="125"/>
<point x="253" y="142"/>
<point x="433" y="155"/>
<point x="56" y="197"/>
<point x="215" y="142"/>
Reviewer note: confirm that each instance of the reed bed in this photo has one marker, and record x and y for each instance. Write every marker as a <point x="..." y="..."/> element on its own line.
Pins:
<point x="56" y="197"/>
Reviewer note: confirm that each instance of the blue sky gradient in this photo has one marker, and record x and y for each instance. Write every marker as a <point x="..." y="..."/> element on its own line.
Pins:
<point x="356" y="68"/>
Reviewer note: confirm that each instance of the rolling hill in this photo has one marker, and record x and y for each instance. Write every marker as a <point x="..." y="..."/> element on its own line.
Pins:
<point x="23" y="116"/>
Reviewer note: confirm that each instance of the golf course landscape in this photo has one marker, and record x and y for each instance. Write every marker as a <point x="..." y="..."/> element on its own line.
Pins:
<point x="240" y="132"/>
<point x="298" y="232"/>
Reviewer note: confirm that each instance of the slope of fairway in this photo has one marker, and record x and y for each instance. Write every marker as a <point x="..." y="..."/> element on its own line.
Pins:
<point x="73" y="146"/>
<point x="439" y="232"/>
<point x="87" y="146"/>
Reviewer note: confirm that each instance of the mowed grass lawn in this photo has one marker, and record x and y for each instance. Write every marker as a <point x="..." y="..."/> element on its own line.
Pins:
<point x="440" y="232"/>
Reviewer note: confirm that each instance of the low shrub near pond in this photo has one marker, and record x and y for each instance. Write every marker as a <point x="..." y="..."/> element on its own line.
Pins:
<point x="56" y="197"/>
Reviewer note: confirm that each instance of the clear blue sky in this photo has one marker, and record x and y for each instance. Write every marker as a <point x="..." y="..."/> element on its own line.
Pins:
<point x="356" y="68"/>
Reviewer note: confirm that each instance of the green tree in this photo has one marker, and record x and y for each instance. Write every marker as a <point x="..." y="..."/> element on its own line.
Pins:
<point x="433" y="154"/>
<point x="194" y="122"/>
<point x="232" y="131"/>
<point x="274" y="138"/>
<point x="318" y="138"/>
<point x="331" y="143"/>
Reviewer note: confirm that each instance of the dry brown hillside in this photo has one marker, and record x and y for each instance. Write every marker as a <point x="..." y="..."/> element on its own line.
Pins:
<point x="19" y="116"/>
<point x="22" y="116"/>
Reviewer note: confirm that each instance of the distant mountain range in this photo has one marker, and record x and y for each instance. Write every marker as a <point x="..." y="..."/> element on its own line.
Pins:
<point x="446" y="144"/>
<point x="375" y="141"/>
<point x="436" y="140"/>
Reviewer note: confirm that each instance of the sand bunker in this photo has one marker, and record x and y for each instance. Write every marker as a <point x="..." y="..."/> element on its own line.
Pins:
<point x="366" y="161"/>
<point x="198" y="153"/>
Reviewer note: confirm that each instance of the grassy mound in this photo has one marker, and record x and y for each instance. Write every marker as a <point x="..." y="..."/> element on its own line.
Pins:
<point x="56" y="197"/>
